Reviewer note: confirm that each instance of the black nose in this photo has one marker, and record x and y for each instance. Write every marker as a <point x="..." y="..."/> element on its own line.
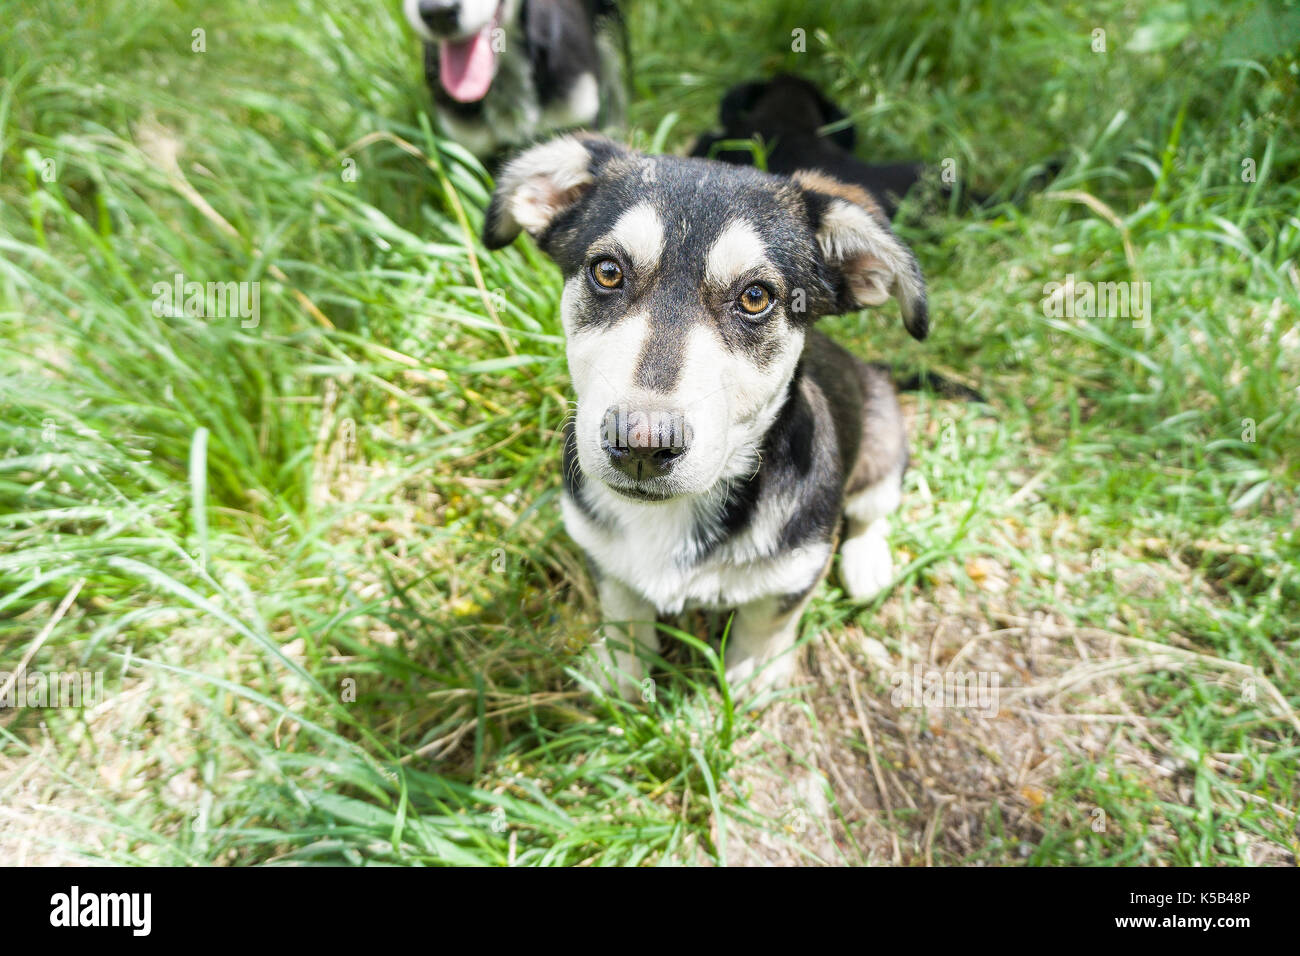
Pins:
<point x="644" y="443"/>
<point x="641" y="464"/>
<point x="440" y="16"/>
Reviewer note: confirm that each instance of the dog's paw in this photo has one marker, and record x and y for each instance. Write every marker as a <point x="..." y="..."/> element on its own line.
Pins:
<point x="615" y="672"/>
<point x="765" y="674"/>
<point x="866" y="566"/>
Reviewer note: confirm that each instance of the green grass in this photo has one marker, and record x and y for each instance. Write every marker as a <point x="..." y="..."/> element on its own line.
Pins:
<point x="320" y="560"/>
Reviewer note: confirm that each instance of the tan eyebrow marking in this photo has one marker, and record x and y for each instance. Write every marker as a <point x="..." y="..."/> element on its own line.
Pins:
<point x="820" y="182"/>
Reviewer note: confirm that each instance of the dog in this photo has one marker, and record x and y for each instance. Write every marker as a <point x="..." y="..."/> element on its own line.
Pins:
<point x="505" y="72"/>
<point x="719" y="440"/>
<point x="788" y="114"/>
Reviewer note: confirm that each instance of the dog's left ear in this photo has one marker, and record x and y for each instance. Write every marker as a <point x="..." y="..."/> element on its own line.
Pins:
<point x="541" y="183"/>
<point x="868" y="262"/>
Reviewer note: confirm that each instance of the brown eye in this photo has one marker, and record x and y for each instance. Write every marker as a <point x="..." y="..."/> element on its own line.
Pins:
<point x="607" y="273"/>
<point x="755" y="300"/>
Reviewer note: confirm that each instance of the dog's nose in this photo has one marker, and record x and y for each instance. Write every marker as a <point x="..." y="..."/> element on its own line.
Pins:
<point x="641" y="464"/>
<point x="644" y="443"/>
<point x="440" y="16"/>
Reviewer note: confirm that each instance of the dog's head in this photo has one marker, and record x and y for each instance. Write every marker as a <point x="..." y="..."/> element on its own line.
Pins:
<point x="689" y="288"/>
<point x="785" y="111"/>
<point x="463" y="33"/>
<point x="784" y="105"/>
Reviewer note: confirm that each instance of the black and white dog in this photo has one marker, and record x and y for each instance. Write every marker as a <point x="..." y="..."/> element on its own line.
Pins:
<point x="719" y="441"/>
<point x="504" y="72"/>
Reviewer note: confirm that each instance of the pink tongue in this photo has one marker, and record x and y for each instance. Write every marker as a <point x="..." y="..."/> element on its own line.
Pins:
<point x="465" y="66"/>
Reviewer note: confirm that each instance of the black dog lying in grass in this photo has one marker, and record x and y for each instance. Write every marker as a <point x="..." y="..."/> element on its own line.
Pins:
<point x="789" y="114"/>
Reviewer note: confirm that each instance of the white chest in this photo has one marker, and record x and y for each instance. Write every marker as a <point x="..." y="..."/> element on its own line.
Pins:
<point x="653" y="549"/>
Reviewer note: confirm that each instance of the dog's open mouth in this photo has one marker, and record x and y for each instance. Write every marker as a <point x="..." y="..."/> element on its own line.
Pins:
<point x="467" y="66"/>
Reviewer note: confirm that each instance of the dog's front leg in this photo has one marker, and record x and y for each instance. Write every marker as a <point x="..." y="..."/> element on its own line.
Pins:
<point x="615" y="660"/>
<point x="760" y="643"/>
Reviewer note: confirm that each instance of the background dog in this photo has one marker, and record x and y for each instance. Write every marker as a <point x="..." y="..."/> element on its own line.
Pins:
<point x="504" y="72"/>
<point x="791" y="115"/>
<point x="719" y="440"/>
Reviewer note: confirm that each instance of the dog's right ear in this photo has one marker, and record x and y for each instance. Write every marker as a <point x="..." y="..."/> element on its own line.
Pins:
<point x="867" y="261"/>
<point x="541" y="183"/>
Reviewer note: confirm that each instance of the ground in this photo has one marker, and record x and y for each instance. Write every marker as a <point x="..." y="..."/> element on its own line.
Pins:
<point x="315" y="552"/>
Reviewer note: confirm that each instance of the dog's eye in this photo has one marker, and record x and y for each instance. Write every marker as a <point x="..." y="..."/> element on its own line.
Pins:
<point x="755" y="300"/>
<point x="607" y="273"/>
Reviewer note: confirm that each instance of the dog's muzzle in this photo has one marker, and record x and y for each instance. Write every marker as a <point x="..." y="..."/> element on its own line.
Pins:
<point x="644" y="443"/>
